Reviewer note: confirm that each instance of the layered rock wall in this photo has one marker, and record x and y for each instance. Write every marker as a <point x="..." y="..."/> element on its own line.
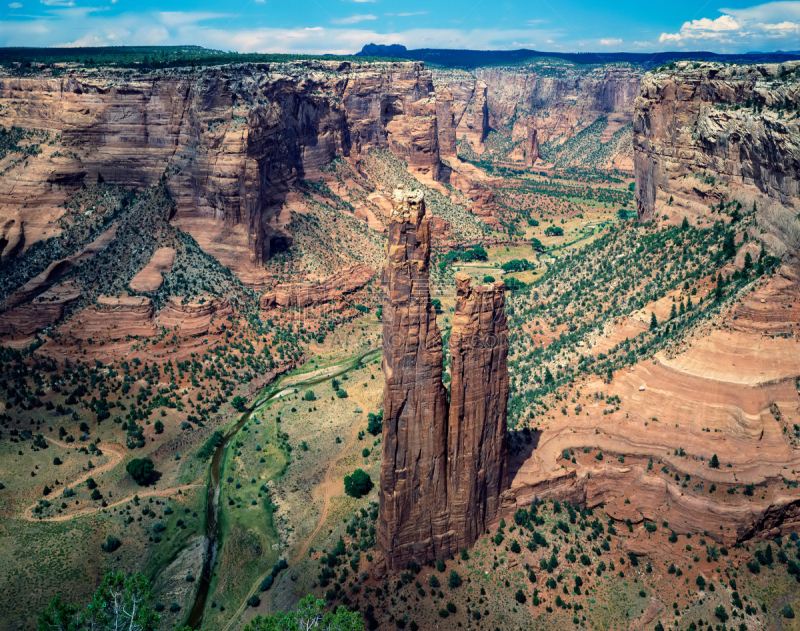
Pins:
<point x="443" y="471"/>
<point x="230" y="140"/>
<point x="332" y="288"/>
<point x="701" y="123"/>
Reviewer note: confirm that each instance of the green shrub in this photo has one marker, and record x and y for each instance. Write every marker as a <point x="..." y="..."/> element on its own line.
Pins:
<point x="358" y="484"/>
<point x="141" y="470"/>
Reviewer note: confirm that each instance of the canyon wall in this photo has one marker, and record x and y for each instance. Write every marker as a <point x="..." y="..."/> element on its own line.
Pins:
<point x="702" y="122"/>
<point x="442" y="472"/>
<point x="229" y="140"/>
<point x="540" y="103"/>
<point x="515" y="93"/>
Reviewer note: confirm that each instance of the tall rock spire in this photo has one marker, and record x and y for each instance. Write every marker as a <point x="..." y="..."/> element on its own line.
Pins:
<point x="412" y="522"/>
<point x="477" y="470"/>
<point x="443" y="471"/>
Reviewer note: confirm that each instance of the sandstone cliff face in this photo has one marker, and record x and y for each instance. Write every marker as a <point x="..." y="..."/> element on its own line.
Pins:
<point x="477" y="471"/>
<point x="231" y="140"/>
<point x="442" y="472"/>
<point x="515" y="93"/>
<point x="461" y="110"/>
<point x="540" y="103"/>
<point x="720" y="122"/>
<point x="412" y="521"/>
<point x="531" y="147"/>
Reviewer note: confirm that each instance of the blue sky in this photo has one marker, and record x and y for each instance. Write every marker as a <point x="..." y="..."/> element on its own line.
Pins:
<point x="344" y="26"/>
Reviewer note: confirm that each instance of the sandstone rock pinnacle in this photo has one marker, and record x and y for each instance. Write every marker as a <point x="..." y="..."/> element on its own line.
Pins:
<point x="477" y="469"/>
<point x="442" y="471"/>
<point x="413" y="489"/>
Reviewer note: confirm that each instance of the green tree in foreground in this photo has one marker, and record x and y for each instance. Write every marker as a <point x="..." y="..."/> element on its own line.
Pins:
<point x="309" y="614"/>
<point x="119" y="603"/>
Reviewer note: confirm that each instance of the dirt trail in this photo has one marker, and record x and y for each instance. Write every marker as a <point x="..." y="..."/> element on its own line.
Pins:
<point x="155" y="493"/>
<point x="328" y="474"/>
<point x="115" y="453"/>
<point x="323" y="517"/>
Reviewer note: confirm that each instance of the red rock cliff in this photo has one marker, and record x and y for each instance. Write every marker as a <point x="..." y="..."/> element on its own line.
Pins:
<point x="231" y="140"/>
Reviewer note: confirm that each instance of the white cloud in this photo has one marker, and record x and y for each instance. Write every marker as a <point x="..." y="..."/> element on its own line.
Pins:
<point x="354" y="19"/>
<point x="759" y="26"/>
<point x="58" y="3"/>
<point x="610" y="41"/>
<point x="361" y="1"/>
<point x="408" y="14"/>
<point x="15" y="5"/>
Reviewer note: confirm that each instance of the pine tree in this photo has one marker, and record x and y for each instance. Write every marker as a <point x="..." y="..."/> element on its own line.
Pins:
<point x="714" y="462"/>
<point x="685" y="224"/>
<point x="653" y="321"/>
<point x="672" y="312"/>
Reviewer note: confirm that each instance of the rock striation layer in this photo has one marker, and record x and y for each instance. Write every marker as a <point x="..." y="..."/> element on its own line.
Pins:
<point x="230" y="140"/>
<point x="443" y="471"/>
<point x="334" y="287"/>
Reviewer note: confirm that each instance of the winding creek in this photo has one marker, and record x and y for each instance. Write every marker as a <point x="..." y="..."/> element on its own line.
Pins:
<point x="269" y="393"/>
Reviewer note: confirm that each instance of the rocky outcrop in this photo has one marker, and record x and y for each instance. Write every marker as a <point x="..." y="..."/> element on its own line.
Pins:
<point x="231" y="140"/>
<point x="114" y="318"/>
<point x="531" y="147"/>
<point x="331" y="289"/>
<point x="412" y="521"/>
<point x="151" y="277"/>
<point x="442" y="473"/>
<point x="199" y="315"/>
<point x="701" y="124"/>
<point x="477" y="472"/>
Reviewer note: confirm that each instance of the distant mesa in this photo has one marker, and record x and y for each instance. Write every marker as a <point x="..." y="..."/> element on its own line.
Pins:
<point x="382" y="50"/>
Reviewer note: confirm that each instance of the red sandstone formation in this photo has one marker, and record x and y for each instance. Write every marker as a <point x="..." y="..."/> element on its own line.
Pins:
<point x="195" y="316"/>
<point x="150" y="278"/>
<point x="441" y="479"/>
<point x="743" y="146"/>
<point x="234" y="140"/>
<point x="332" y="288"/>
<point x="477" y="471"/>
<point x="412" y="523"/>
